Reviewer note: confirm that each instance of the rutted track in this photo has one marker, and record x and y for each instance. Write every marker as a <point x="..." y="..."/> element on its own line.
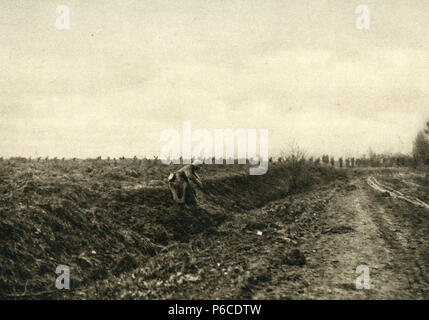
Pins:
<point x="376" y="185"/>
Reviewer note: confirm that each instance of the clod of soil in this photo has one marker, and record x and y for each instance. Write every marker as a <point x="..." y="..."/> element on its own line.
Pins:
<point x="351" y="187"/>
<point x="295" y="258"/>
<point x="127" y="263"/>
<point x="255" y="226"/>
<point x="338" y="230"/>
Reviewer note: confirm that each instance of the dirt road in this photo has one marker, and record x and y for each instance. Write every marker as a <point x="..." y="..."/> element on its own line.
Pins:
<point x="372" y="235"/>
<point x="359" y="226"/>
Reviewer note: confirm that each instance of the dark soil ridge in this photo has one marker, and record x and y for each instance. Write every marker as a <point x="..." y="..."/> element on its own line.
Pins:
<point x="100" y="230"/>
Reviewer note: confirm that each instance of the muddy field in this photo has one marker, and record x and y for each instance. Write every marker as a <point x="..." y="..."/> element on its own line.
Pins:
<point x="298" y="232"/>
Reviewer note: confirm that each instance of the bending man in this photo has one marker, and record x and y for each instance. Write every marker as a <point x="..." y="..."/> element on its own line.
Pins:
<point x="181" y="184"/>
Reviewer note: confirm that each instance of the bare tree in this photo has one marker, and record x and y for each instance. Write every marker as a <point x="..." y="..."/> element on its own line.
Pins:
<point x="421" y="148"/>
<point x="294" y="155"/>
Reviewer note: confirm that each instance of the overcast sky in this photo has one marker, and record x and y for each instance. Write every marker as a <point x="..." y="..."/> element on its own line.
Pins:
<point x="126" y="70"/>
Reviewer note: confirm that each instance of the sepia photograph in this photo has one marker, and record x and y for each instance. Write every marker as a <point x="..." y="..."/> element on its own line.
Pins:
<point x="214" y="150"/>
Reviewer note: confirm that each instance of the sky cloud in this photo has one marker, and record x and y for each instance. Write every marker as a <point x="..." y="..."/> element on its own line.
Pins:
<point x="125" y="72"/>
